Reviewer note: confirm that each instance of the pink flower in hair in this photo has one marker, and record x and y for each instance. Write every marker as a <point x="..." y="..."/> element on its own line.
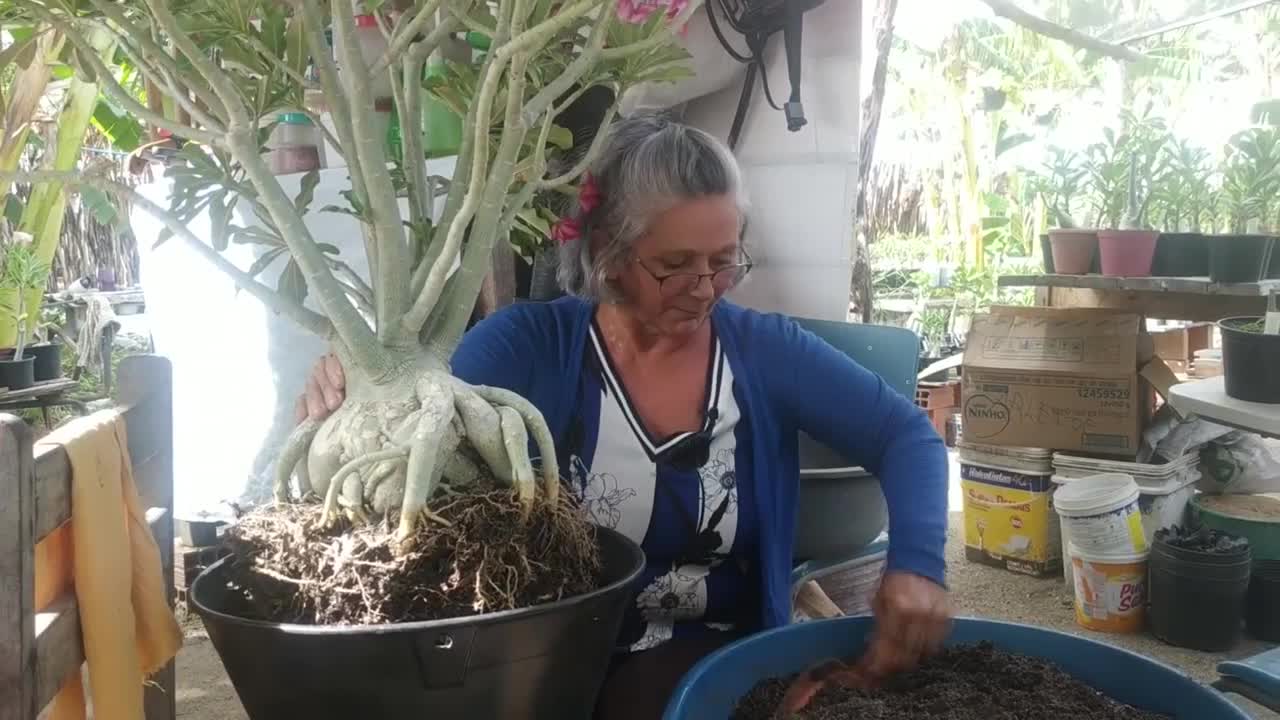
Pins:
<point x="565" y="230"/>
<point x="589" y="196"/>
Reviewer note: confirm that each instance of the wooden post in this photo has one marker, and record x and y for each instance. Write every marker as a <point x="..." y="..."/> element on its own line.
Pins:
<point x="146" y="384"/>
<point x="17" y="577"/>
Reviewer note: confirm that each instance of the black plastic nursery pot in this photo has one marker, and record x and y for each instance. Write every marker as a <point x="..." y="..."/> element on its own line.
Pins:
<point x="48" y="361"/>
<point x="1262" y="609"/>
<point x="1196" y="599"/>
<point x="1250" y="360"/>
<point x="17" y="374"/>
<point x="547" y="661"/>
<point x="1181" y="255"/>
<point x="1239" y="258"/>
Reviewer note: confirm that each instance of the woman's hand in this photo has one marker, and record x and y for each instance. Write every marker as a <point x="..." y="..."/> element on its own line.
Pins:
<point x="912" y="620"/>
<point x="325" y="391"/>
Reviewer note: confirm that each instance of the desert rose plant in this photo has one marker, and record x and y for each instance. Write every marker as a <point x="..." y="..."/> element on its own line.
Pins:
<point x="409" y="431"/>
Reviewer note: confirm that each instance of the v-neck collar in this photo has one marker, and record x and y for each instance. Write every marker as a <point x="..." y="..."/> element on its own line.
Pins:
<point x="652" y="445"/>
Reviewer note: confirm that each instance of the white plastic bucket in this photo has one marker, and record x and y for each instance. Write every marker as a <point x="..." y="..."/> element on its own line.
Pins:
<point x="1101" y="515"/>
<point x="1110" y="590"/>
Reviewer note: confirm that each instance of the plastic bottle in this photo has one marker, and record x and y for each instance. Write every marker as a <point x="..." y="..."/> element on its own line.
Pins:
<point x="294" y="145"/>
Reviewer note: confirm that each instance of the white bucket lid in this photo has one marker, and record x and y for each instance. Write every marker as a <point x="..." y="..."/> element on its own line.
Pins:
<point x="1106" y="558"/>
<point x="1095" y="495"/>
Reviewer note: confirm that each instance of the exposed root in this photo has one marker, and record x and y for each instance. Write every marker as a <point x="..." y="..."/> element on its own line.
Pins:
<point x="537" y="425"/>
<point x="330" y="508"/>
<point x="294" y="455"/>
<point x="480" y="555"/>
<point x="516" y="441"/>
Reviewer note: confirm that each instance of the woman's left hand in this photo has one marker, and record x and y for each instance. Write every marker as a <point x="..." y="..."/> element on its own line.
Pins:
<point x="912" y="620"/>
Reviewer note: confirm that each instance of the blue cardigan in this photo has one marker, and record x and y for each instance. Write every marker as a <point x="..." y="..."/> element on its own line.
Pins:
<point x="787" y="379"/>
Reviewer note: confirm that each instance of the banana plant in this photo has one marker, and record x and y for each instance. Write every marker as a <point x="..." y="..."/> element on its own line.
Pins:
<point x="233" y="65"/>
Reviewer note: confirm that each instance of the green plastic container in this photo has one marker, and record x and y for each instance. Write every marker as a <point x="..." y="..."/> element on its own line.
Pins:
<point x="441" y="127"/>
<point x="1263" y="533"/>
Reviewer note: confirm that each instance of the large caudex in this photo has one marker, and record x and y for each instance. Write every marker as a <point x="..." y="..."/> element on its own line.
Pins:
<point x="409" y="431"/>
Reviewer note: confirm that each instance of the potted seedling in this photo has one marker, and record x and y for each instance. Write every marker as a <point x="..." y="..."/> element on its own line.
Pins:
<point x="47" y="353"/>
<point x="1130" y="250"/>
<point x="1071" y="249"/>
<point x="1183" y="196"/>
<point x="1250" y="177"/>
<point x="22" y="270"/>
<point x="1251" y="355"/>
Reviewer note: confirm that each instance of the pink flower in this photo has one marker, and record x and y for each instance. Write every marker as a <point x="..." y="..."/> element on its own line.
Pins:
<point x="589" y="196"/>
<point x="565" y="230"/>
<point x="638" y="11"/>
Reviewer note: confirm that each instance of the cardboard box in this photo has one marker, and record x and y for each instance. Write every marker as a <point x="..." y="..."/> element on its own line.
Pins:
<point x="1065" y="379"/>
<point x="1009" y="520"/>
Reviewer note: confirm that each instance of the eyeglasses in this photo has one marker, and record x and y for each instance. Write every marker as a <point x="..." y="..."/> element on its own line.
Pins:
<point x="722" y="280"/>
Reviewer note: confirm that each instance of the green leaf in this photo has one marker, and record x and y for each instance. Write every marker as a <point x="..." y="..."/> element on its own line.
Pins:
<point x="219" y="216"/>
<point x="25" y="53"/>
<point x="164" y="236"/>
<point x="560" y="137"/>
<point x="328" y="249"/>
<point x="123" y="130"/>
<point x="264" y="261"/>
<point x="307" y="191"/>
<point x="12" y="209"/>
<point x="99" y="204"/>
<point x="292" y="283"/>
<point x="255" y="236"/>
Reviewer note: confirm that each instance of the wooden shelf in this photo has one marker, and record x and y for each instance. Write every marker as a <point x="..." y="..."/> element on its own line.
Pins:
<point x="1167" y="298"/>
<point x="1183" y="285"/>
<point x="1208" y="399"/>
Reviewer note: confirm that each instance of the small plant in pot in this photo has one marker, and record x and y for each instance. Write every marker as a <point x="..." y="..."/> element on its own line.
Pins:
<point x="48" y="352"/>
<point x="1130" y="250"/>
<point x="1071" y="249"/>
<point x="1182" y="199"/>
<point x="23" y="272"/>
<point x="1250" y="178"/>
<point x="1250" y="359"/>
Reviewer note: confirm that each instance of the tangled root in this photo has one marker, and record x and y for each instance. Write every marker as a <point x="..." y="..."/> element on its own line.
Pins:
<point x="475" y="553"/>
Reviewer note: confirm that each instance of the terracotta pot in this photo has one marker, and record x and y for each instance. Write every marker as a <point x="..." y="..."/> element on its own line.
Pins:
<point x="1127" y="253"/>
<point x="1073" y="250"/>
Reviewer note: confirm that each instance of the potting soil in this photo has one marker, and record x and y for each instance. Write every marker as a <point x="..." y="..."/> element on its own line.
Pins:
<point x="475" y="554"/>
<point x="1203" y="540"/>
<point x="967" y="682"/>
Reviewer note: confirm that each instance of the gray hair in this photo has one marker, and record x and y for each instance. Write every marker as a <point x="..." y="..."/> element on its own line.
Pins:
<point x="650" y="163"/>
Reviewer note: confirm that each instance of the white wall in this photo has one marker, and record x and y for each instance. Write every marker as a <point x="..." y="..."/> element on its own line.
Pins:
<point x="237" y="368"/>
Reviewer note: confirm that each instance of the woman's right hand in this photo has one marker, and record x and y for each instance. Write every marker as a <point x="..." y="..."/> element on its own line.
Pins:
<point x="325" y="391"/>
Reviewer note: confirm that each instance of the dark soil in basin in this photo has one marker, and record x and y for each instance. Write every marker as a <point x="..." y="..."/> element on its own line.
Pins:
<point x="968" y="682"/>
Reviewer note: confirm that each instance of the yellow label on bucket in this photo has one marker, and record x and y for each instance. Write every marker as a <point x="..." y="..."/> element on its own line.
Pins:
<point x="1110" y="595"/>
<point x="1009" y="520"/>
<point x="1136" y="533"/>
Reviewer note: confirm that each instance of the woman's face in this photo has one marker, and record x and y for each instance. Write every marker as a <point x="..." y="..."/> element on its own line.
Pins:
<point x="659" y="281"/>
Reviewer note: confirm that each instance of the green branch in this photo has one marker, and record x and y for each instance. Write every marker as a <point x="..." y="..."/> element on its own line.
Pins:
<point x="391" y="283"/>
<point x="579" y="67"/>
<point x="404" y="36"/>
<point x="664" y="35"/>
<point x="112" y="88"/>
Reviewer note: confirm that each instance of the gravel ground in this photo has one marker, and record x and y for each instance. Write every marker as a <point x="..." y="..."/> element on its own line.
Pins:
<point x="204" y="693"/>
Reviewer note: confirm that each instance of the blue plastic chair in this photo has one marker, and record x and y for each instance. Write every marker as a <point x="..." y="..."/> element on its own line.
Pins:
<point x="893" y="353"/>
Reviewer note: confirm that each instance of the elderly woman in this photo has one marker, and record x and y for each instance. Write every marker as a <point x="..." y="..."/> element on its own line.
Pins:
<point x="677" y="413"/>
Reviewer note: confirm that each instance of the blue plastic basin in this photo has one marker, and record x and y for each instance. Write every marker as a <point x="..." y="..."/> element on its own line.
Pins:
<point x="712" y="688"/>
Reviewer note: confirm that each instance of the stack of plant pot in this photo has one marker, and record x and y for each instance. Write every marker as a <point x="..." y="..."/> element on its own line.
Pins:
<point x="1197" y="588"/>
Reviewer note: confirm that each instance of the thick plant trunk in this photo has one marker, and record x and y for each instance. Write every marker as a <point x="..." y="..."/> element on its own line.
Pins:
<point x="886" y="11"/>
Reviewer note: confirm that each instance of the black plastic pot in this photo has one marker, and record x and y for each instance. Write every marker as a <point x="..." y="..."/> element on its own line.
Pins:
<point x="1239" y="258"/>
<point x="48" y="358"/>
<point x="1250" y="362"/>
<point x="1196" y="599"/>
<point x="17" y="374"/>
<point x="1181" y="255"/>
<point x="547" y="661"/>
<point x="1262" y="610"/>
